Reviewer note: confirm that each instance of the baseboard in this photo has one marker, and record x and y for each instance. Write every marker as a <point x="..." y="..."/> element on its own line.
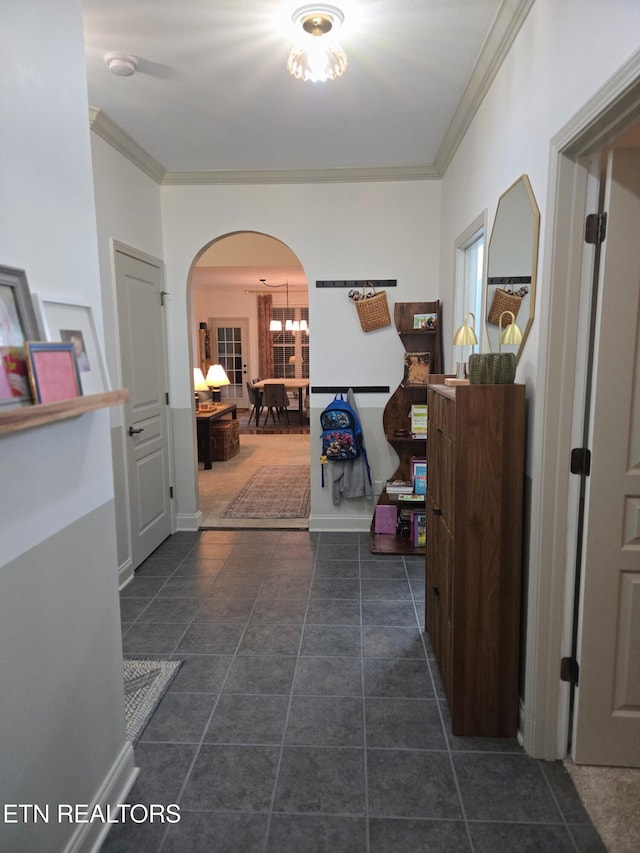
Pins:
<point x="333" y="524"/>
<point x="125" y="574"/>
<point x="89" y="837"/>
<point x="189" y="522"/>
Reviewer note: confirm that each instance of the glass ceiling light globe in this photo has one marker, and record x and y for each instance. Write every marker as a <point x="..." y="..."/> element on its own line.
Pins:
<point x="317" y="57"/>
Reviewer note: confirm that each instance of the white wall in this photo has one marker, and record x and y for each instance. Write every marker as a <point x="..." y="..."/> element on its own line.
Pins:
<point x="127" y="211"/>
<point x="337" y="231"/>
<point x="61" y="701"/>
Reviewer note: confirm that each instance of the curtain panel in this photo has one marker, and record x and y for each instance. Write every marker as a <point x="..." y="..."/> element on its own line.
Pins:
<point x="265" y="349"/>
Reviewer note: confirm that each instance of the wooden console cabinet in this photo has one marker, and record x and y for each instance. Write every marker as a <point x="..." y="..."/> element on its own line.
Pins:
<point x="475" y="473"/>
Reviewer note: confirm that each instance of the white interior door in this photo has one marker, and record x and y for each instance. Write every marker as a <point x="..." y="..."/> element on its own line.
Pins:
<point x="230" y="348"/>
<point x="142" y="352"/>
<point x="607" y="718"/>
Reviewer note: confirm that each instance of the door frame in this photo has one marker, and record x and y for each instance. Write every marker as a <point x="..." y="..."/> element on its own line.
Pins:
<point x="612" y="110"/>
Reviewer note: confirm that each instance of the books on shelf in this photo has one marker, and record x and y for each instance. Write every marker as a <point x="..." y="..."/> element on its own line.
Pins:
<point x="418" y="416"/>
<point x="399" y="487"/>
<point x="419" y="529"/>
<point x="419" y="475"/>
<point x="425" y="321"/>
<point x="416" y="368"/>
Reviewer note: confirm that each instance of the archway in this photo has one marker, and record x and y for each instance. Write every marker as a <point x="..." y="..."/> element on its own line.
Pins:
<point x="226" y="279"/>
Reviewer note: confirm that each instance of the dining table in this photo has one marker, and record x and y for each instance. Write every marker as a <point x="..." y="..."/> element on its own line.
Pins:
<point x="299" y="385"/>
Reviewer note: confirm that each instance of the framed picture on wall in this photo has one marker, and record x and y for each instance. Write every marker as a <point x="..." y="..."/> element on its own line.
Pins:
<point x="72" y="322"/>
<point x="17" y="325"/>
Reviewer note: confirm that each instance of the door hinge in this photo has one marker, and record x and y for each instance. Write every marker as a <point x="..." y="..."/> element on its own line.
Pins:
<point x="171" y="492"/>
<point x="166" y="397"/>
<point x="569" y="670"/>
<point x="595" y="228"/>
<point x="581" y="461"/>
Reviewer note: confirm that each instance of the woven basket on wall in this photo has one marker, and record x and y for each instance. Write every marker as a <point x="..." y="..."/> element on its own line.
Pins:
<point x="373" y="310"/>
<point x="503" y="301"/>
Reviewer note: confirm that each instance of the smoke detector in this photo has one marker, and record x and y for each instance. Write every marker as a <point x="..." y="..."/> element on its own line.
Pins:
<point x="121" y="64"/>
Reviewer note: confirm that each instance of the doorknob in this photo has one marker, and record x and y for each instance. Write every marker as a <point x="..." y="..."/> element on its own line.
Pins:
<point x="133" y="431"/>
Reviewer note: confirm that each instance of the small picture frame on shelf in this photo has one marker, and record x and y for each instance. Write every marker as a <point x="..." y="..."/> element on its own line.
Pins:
<point x="72" y="322"/>
<point x="53" y="371"/>
<point x="416" y="368"/>
<point x="429" y="321"/>
<point x="17" y="325"/>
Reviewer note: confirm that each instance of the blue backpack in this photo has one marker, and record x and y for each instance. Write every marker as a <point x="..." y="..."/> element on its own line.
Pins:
<point x="342" y="438"/>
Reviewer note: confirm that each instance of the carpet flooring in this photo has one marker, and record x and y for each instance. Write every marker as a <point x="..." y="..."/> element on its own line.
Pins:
<point x="145" y="683"/>
<point x="611" y="796"/>
<point x="274" y="491"/>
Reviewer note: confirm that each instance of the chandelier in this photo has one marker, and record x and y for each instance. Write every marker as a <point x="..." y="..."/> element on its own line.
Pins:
<point x="317" y="57"/>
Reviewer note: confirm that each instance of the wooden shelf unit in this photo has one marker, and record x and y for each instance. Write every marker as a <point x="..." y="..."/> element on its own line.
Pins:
<point x="475" y="465"/>
<point x="39" y="414"/>
<point x="398" y="408"/>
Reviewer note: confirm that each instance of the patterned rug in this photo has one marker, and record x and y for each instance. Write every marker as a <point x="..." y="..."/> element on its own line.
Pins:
<point x="145" y="683"/>
<point x="273" y="491"/>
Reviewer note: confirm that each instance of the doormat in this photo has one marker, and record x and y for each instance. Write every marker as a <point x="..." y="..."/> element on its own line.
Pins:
<point x="145" y="683"/>
<point x="273" y="491"/>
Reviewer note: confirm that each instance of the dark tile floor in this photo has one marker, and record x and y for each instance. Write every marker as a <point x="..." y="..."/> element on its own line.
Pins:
<point x="307" y="715"/>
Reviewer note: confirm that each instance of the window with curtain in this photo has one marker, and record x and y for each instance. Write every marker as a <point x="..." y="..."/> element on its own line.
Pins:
<point x="291" y="348"/>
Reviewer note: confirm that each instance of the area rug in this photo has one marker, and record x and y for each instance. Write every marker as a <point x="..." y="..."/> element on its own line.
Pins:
<point x="273" y="491"/>
<point x="145" y="683"/>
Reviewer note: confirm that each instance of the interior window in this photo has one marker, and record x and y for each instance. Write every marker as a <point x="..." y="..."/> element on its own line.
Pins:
<point x="291" y="346"/>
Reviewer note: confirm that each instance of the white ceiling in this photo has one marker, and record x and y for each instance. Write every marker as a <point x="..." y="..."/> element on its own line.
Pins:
<point x="212" y="93"/>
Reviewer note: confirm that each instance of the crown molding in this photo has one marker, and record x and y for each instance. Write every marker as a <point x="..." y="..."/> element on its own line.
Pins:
<point x="506" y="26"/>
<point x="303" y="176"/>
<point x="108" y="130"/>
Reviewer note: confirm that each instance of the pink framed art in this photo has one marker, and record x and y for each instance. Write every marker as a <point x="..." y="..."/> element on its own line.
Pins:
<point x="53" y="371"/>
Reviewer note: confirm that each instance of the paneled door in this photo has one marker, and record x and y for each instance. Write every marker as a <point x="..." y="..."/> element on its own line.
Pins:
<point x="143" y="357"/>
<point x="607" y="719"/>
<point x="230" y="348"/>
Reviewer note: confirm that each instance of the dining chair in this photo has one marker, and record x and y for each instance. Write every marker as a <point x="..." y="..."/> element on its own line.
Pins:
<point x="275" y="397"/>
<point x="255" y="399"/>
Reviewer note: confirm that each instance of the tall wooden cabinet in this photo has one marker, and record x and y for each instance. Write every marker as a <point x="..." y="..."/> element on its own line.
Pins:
<point x="475" y="473"/>
<point x="396" y="416"/>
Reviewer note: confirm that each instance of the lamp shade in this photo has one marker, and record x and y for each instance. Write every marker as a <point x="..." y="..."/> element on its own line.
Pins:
<point x="199" y="383"/>
<point x="465" y="335"/>
<point x="216" y="376"/>
<point x="275" y="326"/>
<point x="512" y="333"/>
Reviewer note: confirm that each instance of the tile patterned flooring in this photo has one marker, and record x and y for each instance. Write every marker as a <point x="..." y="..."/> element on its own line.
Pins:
<point x="307" y="715"/>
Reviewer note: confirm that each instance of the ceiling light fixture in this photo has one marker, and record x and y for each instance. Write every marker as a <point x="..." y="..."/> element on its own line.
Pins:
<point x="317" y="57"/>
<point x="121" y="64"/>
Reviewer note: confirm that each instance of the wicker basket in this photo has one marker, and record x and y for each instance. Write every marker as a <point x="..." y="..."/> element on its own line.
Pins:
<point x="503" y="301"/>
<point x="373" y="310"/>
<point x="225" y="440"/>
<point x="492" y="368"/>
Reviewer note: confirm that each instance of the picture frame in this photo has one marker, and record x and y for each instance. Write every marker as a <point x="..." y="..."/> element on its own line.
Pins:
<point x="17" y="325"/>
<point x="416" y="368"/>
<point x="53" y="371"/>
<point x="72" y="322"/>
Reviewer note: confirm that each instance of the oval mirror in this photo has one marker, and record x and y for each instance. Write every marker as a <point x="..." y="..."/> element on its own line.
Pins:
<point x="512" y="267"/>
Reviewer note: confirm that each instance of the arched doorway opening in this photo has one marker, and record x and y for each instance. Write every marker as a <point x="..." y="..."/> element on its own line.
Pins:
<point x="226" y="280"/>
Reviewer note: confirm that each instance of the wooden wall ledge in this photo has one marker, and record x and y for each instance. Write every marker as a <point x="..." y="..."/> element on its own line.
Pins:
<point x="26" y="417"/>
